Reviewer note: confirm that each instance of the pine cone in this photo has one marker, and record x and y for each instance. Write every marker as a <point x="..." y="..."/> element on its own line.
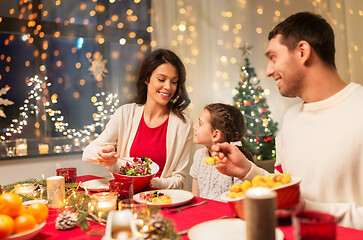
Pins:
<point x="66" y="220"/>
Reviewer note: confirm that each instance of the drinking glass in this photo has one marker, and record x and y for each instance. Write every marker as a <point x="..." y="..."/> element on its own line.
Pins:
<point x="312" y="225"/>
<point x="123" y="188"/>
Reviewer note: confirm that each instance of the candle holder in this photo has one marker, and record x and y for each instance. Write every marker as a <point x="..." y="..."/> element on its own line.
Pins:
<point x="43" y="148"/>
<point x="21" y="147"/>
<point x="102" y="203"/>
<point x="26" y="189"/>
<point x="69" y="174"/>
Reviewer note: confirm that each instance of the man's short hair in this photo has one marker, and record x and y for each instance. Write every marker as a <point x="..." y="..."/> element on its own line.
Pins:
<point x="309" y="27"/>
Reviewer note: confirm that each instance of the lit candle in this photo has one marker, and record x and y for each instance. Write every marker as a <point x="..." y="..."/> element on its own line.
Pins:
<point x="56" y="191"/>
<point x="43" y="148"/>
<point x="24" y="188"/>
<point x="21" y="149"/>
<point x="105" y="201"/>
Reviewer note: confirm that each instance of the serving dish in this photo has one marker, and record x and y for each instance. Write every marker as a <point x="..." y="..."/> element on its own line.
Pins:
<point x="288" y="195"/>
<point x="140" y="182"/>
<point x="27" y="234"/>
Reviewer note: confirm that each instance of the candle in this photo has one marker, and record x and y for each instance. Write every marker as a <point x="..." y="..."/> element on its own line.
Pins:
<point x="24" y="188"/>
<point x="104" y="201"/>
<point x="22" y="149"/>
<point x="259" y="209"/>
<point x="56" y="191"/>
<point x="43" y="148"/>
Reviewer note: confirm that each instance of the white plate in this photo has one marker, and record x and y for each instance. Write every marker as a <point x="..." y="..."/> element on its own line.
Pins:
<point x="178" y="197"/>
<point x="96" y="185"/>
<point x="35" y="201"/>
<point x="28" y="234"/>
<point x="231" y="229"/>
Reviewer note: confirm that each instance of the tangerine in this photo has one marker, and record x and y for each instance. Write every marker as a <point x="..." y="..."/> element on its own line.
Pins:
<point x="10" y="204"/>
<point x="24" y="223"/>
<point x="6" y="225"/>
<point x="22" y="210"/>
<point x="39" y="211"/>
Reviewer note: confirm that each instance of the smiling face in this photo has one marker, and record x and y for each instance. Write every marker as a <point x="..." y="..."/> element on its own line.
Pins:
<point x="203" y="132"/>
<point x="162" y="84"/>
<point x="284" y="67"/>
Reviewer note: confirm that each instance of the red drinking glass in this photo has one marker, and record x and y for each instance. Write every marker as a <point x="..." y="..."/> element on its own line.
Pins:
<point x="69" y="174"/>
<point x="123" y="188"/>
<point x="312" y="225"/>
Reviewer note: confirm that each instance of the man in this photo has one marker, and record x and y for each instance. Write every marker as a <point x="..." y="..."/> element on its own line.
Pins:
<point x="321" y="139"/>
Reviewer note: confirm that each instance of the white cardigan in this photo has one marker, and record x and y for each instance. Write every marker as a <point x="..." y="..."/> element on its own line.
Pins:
<point x="121" y="130"/>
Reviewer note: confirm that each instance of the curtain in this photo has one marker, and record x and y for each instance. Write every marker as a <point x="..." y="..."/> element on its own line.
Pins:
<point x="207" y="34"/>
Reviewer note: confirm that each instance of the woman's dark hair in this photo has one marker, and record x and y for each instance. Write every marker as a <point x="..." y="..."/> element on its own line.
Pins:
<point x="309" y="27"/>
<point x="230" y="121"/>
<point x="180" y="100"/>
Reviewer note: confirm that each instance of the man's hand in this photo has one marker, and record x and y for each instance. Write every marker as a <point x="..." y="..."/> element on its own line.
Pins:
<point x="233" y="162"/>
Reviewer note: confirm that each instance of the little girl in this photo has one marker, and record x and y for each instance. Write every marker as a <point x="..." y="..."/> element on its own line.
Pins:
<point x="217" y="123"/>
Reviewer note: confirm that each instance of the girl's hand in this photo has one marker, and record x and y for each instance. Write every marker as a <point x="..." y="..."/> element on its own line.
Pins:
<point x="107" y="155"/>
<point x="233" y="162"/>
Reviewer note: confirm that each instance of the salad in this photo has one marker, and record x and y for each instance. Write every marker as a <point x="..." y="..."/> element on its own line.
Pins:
<point x="140" y="167"/>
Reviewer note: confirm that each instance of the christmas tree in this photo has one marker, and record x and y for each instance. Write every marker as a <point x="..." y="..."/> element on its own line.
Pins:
<point x="250" y="99"/>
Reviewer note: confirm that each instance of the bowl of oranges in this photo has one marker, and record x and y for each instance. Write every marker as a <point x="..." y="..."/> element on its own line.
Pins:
<point x="286" y="187"/>
<point x="20" y="221"/>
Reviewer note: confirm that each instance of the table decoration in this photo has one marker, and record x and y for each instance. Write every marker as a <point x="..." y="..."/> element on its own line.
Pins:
<point x="56" y="191"/>
<point x="43" y="148"/>
<point x="21" y="147"/>
<point x="69" y="174"/>
<point x="24" y="188"/>
<point x="259" y="208"/>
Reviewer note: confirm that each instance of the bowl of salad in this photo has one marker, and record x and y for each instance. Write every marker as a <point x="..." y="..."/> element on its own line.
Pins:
<point x="142" y="170"/>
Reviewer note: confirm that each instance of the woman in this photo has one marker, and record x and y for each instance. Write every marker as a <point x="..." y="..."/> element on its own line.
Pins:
<point x="154" y="126"/>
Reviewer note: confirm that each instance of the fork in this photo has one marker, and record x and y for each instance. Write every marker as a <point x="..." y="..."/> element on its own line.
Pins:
<point x="189" y="206"/>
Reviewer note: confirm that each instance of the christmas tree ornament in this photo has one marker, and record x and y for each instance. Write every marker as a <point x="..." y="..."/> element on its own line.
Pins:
<point x="98" y="66"/>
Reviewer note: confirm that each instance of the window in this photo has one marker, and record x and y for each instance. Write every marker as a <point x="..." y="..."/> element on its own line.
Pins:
<point x="66" y="65"/>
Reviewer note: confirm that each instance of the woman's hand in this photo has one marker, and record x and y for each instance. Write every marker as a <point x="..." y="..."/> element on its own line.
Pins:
<point x="233" y="162"/>
<point x="107" y="155"/>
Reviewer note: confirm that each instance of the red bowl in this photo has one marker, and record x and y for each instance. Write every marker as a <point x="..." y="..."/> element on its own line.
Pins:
<point x="288" y="195"/>
<point x="140" y="182"/>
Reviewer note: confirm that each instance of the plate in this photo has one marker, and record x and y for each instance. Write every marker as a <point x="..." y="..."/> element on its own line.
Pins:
<point x="178" y="197"/>
<point x="26" y="235"/>
<point x="96" y="185"/>
<point x="231" y="229"/>
<point x="35" y="201"/>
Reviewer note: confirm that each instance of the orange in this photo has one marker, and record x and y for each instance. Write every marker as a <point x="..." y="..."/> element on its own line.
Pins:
<point x="39" y="211"/>
<point x="24" y="223"/>
<point x="10" y="204"/>
<point x="22" y="210"/>
<point x="6" y="225"/>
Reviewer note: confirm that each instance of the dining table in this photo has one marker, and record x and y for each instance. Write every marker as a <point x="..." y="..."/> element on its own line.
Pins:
<point x="184" y="220"/>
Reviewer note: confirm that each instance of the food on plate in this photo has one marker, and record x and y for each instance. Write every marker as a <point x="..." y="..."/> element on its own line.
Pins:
<point x="165" y="199"/>
<point x="212" y="160"/>
<point x="139" y="167"/>
<point x="15" y="217"/>
<point x="269" y="181"/>
<point x="156" y="197"/>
